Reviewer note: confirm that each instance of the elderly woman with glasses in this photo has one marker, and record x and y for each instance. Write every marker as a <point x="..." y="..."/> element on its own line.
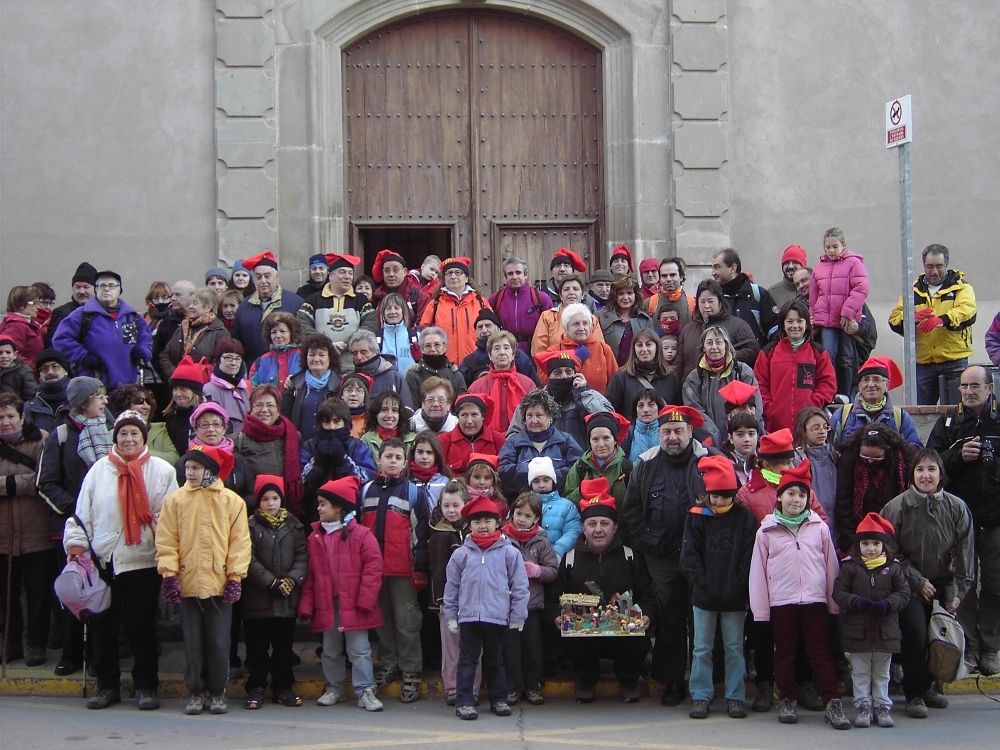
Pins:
<point x="876" y="377"/>
<point x="227" y="385"/>
<point x="434" y="414"/>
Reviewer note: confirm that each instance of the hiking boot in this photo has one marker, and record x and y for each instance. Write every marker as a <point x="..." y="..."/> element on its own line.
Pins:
<point x="387" y="675"/>
<point x="255" y="699"/>
<point x="835" y="715"/>
<point x="466" y="713"/>
<point x="736" y="709"/>
<point x="584" y="694"/>
<point x="864" y="718"/>
<point x="809" y="697"/>
<point x="989" y="662"/>
<point x="673" y="694"/>
<point x="147" y="700"/>
<point x="34" y="656"/>
<point x="219" y="705"/>
<point x="104" y="698"/>
<point x="916" y="708"/>
<point x="330" y="697"/>
<point x="630" y="693"/>
<point x="500" y="708"/>
<point x="67" y="667"/>
<point x="764" y="698"/>
<point x="288" y="697"/>
<point x="535" y="698"/>
<point x="195" y="705"/>
<point x="786" y="711"/>
<point x="934" y="699"/>
<point x="368" y="701"/>
<point x="699" y="710"/>
<point x="411" y="688"/>
<point x="883" y="717"/>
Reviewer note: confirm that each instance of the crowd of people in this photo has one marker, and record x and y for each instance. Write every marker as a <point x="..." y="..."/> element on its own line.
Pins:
<point x="407" y="460"/>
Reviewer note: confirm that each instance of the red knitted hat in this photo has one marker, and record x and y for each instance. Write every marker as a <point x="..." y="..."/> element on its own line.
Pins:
<point x="383" y="257"/>
<point x="794" y="253"/>
<point x="483" y="401"/>
<point x="596" y="500"/>
<point x="478" y="506"/>
<point x="650" y="264"/>
<point x="610" y="419"/>
<point x="718" y="474"/>
<point x="265" y="482"/>
<point x="342" y="492"/>
<point x="334" y="261"/>
<point x="485" y="458"/>
<point x="776" y="445"/>
<point x="265" y="258"/>
<point x="213" y="458"/>
<point x="190" y="374"/>
<point x="884" y="366"/>
<point x="801" y="476"/>
<point x="565" y="255"/>
<point x="622" y="252"/>
<point x="873" y="526"/>
<point x="462" y="264"/>
<point x="737" y="393"/>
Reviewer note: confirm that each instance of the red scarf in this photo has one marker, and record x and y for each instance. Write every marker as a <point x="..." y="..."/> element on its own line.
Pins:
<point x="507" y="393"/>
<point x="424" y="475"/>
<point x="522" y="536"/>
<point x="292" y="470"/>
<point x="386" y="434"/>
<point x="879" y="478"/>
<point x="485" y="542"/>
<point x="133" y="499"/>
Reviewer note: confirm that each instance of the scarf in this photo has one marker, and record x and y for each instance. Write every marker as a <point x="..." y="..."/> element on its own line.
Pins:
<point x="256" y="430"/>
<point x="11" y="437"/>
<point x="273" y="521"/>
<point x="317" y="384"/>
<point x="560" y="389"/>
<point x="771" y="477"/>
<point x="331" y="526"/>
<point x="487" y="541"/>
<point x="434" y="361"/>
<point x="646" y="368"/>
<point x="874" y="408"/>
<point x="522" y="536"/>
<point x="875" y="563"/>
<point x="233" y="380"/>
<point x="133" y="500"/>
<point x="434" y="424"/>
<point x="226" y="444"/>
<point x="53" y="393"/>
<point x="424" y="475"/>
<point x="671" y="326"/>
<point x="715" y="365"/>
<point x="95" y="439"/>
<point x="540" y="437"/>
<point x="191" y="336"/>
<point x="877" y="479"/>
<point x="792" y="523"/>
<point x="357" y="411"/>
<point x="507" y="380"/>
<point x="722" y="511"/>
<point x="385" y="434"/>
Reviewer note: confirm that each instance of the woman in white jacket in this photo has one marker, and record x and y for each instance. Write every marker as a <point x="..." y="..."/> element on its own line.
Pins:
<point x="116" y="514"/>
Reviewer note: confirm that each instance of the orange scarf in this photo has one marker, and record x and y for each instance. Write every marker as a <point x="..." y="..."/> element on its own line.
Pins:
<point x="191" y="335"/>
<point x="132" y="496"/>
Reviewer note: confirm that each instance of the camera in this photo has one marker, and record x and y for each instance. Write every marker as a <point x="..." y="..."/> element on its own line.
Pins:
<point x="987" y="450"/>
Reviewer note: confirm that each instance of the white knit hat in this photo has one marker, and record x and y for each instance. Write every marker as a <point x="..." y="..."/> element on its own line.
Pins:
<point x="541" y="466"/>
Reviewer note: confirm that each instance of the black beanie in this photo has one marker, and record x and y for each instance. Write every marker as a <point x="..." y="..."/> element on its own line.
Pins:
<point x="85" y="274"/>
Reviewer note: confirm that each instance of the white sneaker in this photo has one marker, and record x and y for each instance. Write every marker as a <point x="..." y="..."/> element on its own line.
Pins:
<point x="331" y="697"/>
<point x="368" y="701"/>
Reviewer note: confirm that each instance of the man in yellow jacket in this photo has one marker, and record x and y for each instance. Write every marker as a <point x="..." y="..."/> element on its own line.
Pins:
<point x="944" y="307"/>
<point x="203" y="553"/>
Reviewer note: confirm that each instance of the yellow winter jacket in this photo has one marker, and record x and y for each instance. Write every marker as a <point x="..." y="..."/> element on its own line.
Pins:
<point x="203" y="539"/>
<point x="955" y="304"/>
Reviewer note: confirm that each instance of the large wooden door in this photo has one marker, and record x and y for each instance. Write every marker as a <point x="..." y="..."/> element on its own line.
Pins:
<point x="486" y="124"/>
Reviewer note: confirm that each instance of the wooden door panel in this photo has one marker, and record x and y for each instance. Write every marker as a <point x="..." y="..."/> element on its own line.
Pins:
<point x="536" y="242"/>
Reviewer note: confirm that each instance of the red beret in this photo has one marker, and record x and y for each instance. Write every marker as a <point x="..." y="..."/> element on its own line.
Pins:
<point x="801" y="476"/>
<point x="622" y="252"/>
<point x="265" y="258"/>
<point x="672" y="413"/>
<point x="480" y="505"/>
<point x="776" y="445"/>
<point x="565" y="255"/>
<point x="383" y="257"/>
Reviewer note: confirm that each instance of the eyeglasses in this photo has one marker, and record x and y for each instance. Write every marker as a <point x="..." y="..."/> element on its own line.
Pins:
<point x="214" y="425"/>
<point x="436" y="400"/>
<point x="876" y="379"/>
<point x="971" y="386"/>
<point x="454" y="272"/>
<point x="819" y="428"/>
<point x="106" y="287"/>
<point x="231" y="358"/>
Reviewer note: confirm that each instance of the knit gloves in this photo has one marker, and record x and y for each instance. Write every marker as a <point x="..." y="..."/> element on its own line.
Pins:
<point x="231" y="592"/>
<point x="171" y="590"/>
<point x="534" y="570"/>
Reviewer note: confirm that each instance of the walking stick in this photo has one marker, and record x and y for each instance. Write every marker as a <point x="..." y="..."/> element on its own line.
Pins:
<point x="84" y="659"/>
<point x="6" y="612"/>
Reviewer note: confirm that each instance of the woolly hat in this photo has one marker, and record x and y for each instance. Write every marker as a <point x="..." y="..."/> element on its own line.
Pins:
<point x="265" y="482"/>
<point x="719" y="475"/>
<point x="217" y="460"/>
<point x="478" y="507"/>
<point x="342" y="492"/>
<point x="365" y="380"/>
<point x="50" y="355"/>
<point x="129" y="417"/>
<point x="873" y="526"/>
<point x="335" y="261"/>
<point x="318" y="260"/>
<point x="216" y="271"/>
<point x="79" y="390"/>
<point x="596" y="500"/>
<point x="601" y="274"/>
<point x="650" y="264"/>
<point x="8" y="341"/>
<point x="565" y="255"/>
<point x="208" y="406"/>
<point x="776" y="445"/>
<point x="383" y="257"/>
<point x="238" y="266"/>
<point x="483" y="401"/>
<point x="548" y="362"/>
<point x="800" y="476"/>
<point x="610" y="419"/>
<point x="190" y="374"/>
<point x="265" y="258"/>
<point x="794" y="253"/>
<point x="673" y="413"/>
<point x="85" y="274"/>
<point x="541" y="466"/>
<point x="622" y="252"/>
<point x="486" y="314"/>
<point x="229" y="345"/>
<point x="737" y="393"/>
<point x="484" y="458"/>
<point x="462" y="264"/>
<point x="884" y="366"/>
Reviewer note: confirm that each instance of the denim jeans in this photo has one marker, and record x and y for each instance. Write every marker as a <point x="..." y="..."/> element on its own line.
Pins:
<point x="840" y="346"/>
<point x="480" y="639"/>
<point x="928" y="391"/>
<point x="358" y="650"/>
<point x="701" y="684"/>
<point x="870" y="676"/>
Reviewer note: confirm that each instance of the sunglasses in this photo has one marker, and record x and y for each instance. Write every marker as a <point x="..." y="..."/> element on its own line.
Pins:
<point x="140" y="401"/>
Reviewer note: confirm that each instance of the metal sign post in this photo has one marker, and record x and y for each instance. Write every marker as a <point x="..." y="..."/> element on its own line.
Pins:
<point x="898" y="134"/>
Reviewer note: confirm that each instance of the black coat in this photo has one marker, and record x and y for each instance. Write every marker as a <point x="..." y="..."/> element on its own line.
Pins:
<point x="275" y="554"/>
<point x="863" y="632"/>
<point x="623" y="389"/>
<point x="715" y="557"/>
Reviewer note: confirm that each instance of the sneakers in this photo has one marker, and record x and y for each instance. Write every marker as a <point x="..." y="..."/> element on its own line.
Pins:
<point x="500" y="708"/>
<point x="699" y="710"/>
<point x="466" y="713"/>
<point x="255" y="699"/>
<point x="786" y="711"/>
<point x="147" y="700"/>
<point x="864" y="718"/>
<point x="883" y="717"/>
<point x="989" y="663"/>
<point x="331" y="697"/>
<point x="835" y="715"/>
<point x="411" y="688"/>
<point x="630" y="693"/>
<point x="368" y="701"/>
<point x="916" y="708"/>
<point x="219" y="705"/>
<point x="736" y="709"/>
<point x="104" y="698"/>
<point x="513" y="697"/>
<point x="809" y="697"/>
<point x="288" y="697"/>
<point x="387" y="675"/>
<point x="196" y="704"/>
<point x="934" y="699"/>
<point x="764" y="698"/>
<point x="535" y="698"/>
<point x="450" y="699"/>
<point x="584" y="695"/>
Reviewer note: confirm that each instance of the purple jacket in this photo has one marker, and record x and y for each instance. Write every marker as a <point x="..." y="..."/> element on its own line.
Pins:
<point x="488" y="586"/>
<point x="109" y="340"/>
<point x="838" y="289"/>
<point x="519" y="310"/>
<point x="993" y="341"/>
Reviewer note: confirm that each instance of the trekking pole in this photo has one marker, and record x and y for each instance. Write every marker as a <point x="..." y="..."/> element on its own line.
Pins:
<point x="10" y="570"/>
<point x="84" y="659"/>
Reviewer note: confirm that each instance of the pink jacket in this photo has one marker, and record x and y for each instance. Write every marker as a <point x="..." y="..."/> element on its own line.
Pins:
<point x="792" y="568"/>
<point x="838" y="289"/>
<point x="350" y="571"/>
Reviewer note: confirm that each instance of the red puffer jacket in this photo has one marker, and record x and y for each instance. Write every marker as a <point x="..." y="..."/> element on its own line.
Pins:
<point x="790" y="379"/>
<point x="457" y="447"/>
<point x="350" y="571"/>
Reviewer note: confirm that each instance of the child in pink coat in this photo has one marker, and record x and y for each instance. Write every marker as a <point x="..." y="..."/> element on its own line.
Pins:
<point x="792" y="572"/>
<point x="837" y="293"/>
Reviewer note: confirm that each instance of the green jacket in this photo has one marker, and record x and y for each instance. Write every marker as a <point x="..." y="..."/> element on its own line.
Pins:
<point x="374" y="442"/>
<point x="617" y="473"/>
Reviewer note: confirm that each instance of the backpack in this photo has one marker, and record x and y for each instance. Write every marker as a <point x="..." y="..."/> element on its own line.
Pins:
<point x="570" y="558"/>
<point x="845" y="415"/>
<point x="945" y="646"/>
